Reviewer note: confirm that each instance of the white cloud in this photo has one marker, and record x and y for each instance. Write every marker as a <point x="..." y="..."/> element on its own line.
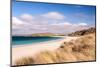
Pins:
<point x="17" y="21"/>
<point x="28" y="24"/>
<point x="83" y="24"/>
<point x="63" y="23"/>
<point x="54" y="15"/>
<point x="27" y="17"/>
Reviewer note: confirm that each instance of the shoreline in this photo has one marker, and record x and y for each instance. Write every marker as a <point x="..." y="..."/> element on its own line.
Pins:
<point x="45" y="42"/>
<point x="31" y="49"/>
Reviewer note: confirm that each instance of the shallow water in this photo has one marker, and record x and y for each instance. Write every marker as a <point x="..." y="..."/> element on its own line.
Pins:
<point x="19" y="40"/>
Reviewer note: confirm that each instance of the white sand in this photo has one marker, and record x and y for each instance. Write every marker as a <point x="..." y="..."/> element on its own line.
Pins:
<point x="32" y="49"/>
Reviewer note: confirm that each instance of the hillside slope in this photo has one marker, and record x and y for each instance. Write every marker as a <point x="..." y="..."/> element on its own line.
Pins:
<point x="83" y="32"/>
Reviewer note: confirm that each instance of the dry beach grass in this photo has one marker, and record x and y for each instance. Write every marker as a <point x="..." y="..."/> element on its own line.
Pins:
<point x="81" y="49"/>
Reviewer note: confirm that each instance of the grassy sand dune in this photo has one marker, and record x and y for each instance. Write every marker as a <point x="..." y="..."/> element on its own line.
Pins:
<point x="80" y="49"/>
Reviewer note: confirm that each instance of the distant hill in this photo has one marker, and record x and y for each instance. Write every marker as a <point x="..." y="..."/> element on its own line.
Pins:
<point x="47" y="34"/>
<point x="83" y="32"/>
<point x="43" y="34"/>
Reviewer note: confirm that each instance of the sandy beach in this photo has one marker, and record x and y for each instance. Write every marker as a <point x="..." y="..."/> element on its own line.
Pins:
<point x="32" y="49"/>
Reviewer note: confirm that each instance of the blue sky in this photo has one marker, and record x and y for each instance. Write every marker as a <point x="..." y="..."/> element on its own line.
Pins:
<point x="70" y="11"/>
<point x="74" y="14"/>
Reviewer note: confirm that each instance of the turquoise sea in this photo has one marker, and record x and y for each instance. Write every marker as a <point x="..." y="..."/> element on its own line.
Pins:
<point x="22" y="40"/>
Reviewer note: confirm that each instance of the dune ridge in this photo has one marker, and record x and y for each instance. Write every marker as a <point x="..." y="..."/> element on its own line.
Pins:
<point x="81" y="49"/>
